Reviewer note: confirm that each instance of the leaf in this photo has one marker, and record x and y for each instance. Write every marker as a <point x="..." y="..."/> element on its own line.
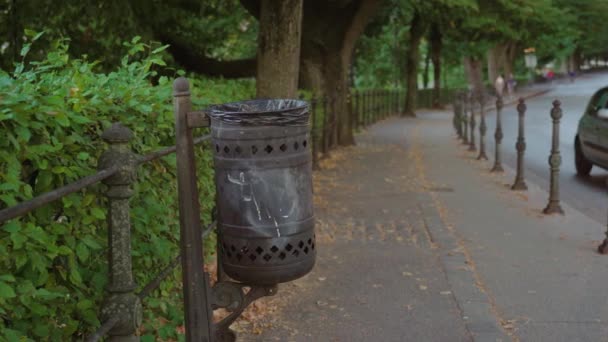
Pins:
<point x="11" y="227"/>
<point x="7" y="277"/>
<point x="160" y="49"/>
<point x="41" y="330"/>
<point x="85" y="304"/>
<point x="18" y="240"/>
<point x="25" y="49"/>
<point x="82" y="252"/>
<point x="6" y="291"/>
<point x="83" y="156"/>
<point x="90" y="241"/>
<point x="98" y="213"/>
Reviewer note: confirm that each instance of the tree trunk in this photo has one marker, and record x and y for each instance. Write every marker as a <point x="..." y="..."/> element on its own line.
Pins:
<point x="328" y="41"/>
<point x="411" y="67"/>
<point x="474" y="73"/>
<point x="509" y="60"/>
<point x="279" y="48"/>
<point x="425" y="73"/>
<point x="577" y="60"/>
<point x="493" y="64"/>
<point x="436" y="45"/>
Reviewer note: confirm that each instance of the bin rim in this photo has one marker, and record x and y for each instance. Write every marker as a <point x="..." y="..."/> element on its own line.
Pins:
<point x="236" y="112"/>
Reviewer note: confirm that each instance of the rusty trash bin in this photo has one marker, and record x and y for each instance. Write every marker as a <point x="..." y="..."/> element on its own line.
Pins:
<point x="263" y="177"/>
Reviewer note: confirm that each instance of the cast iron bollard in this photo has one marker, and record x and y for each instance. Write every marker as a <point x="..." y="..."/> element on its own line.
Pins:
<point x="603" y="248"/>
<point x="555" y="161"/>
<point x="520" y="145"/>
<point x="482" y="128"/>
<point x="498" y="136"/>
<point x="472" y="123"/>
<point x="121" y="299"/>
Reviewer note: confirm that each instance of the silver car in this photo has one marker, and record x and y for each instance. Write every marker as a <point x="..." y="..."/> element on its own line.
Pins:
<point x="591" y="141"/>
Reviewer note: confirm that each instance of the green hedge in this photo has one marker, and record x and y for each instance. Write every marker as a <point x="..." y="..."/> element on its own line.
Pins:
<point x="53" y="261"/>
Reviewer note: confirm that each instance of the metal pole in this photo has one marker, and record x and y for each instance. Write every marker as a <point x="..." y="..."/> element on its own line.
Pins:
<point x="498" y="137"/>
<point x="483" y="128"/>
<point x="520" y="182"/>
<point x="555" y="161"/>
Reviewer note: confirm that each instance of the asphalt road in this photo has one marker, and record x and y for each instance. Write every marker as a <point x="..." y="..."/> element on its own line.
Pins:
<point x="587" y="195"/>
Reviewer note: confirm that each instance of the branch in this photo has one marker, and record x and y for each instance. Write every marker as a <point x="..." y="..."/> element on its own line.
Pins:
<point x="199" y="63"/>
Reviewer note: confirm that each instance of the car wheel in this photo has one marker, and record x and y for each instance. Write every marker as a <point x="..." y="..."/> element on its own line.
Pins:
<point x="583" y="166"/>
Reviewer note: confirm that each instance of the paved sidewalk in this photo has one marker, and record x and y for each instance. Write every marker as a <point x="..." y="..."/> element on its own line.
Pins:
<point x="418" y="241"/>
<point x="542" y="274"/>
<point x="378" y="276"/>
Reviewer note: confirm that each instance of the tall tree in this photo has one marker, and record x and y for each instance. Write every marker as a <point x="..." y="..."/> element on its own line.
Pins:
<point x="330" y="30"/>
<point x="436" y="43"/>
<point x="417" y="29"/>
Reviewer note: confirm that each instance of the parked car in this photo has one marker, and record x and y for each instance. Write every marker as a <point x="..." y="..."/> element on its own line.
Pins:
<point x="591" y="141"/>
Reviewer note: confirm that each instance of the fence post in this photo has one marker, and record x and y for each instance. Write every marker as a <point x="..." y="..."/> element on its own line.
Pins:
<point x="121" y="300"/>
<point x="314" y="133"/>
<point x="372" y="117"/>
<point x="555" y="160"/>
<point x="324" y="133"/>
<point x="357" y="110"/>
<point x="197" y="309"/>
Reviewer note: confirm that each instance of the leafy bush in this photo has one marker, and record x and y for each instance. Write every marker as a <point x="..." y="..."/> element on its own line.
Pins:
<point x="52" y="261"/>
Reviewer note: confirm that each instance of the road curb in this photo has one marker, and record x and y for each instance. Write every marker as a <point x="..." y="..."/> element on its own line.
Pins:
<point x="474" y="303"/>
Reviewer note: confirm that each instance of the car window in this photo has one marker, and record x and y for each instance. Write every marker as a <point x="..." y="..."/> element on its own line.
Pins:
<point x="598" y="101"/>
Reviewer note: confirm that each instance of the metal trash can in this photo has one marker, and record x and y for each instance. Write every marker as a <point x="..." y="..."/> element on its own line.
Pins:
<point x="263" y="177"/>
